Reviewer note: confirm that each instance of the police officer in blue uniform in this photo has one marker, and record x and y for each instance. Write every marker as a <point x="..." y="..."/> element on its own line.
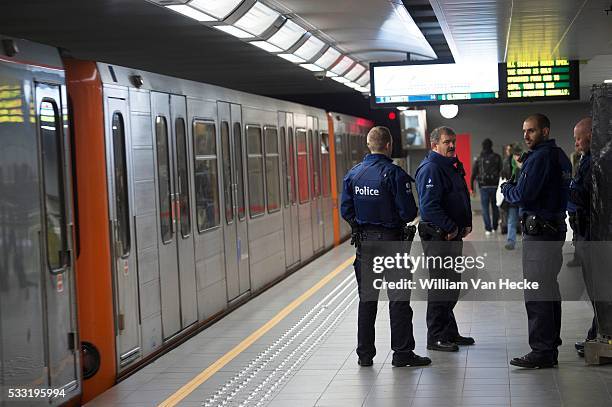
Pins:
<point x="446" y="218"/>
<point x="377" y="202"/>
<point x="541" y="193"/>
<point x="579" y="208"/>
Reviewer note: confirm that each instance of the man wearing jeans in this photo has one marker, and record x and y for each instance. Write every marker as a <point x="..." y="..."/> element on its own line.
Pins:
<point x="513" y="209"/>
<point x="487" y="169"/>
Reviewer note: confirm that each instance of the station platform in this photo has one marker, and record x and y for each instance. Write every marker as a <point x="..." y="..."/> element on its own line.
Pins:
<point x="294" y="345"/>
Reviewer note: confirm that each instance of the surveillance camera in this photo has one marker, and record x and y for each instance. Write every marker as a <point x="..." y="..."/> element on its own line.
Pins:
<point x="320" y="75"/>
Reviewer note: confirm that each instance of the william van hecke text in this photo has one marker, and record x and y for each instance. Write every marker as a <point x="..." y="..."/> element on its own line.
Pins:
<point x="446" y="284"/>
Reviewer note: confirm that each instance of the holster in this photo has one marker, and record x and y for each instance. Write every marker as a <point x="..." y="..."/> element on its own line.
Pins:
<point x="408" y="233"/>
<point x="534" y="225"/>
<point x="429" y="231"/>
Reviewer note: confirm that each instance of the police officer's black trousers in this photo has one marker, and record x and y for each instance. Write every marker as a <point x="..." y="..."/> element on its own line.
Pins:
<point x="400" y="311"/>
<point x="542" y="260"/>
<point x="441" y="323"/>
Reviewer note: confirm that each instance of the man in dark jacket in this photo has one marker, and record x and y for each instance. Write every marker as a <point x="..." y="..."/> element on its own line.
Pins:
<point x="580" y="197"/>
<point x="486" y="170"/>
<point x="446" y="218"/>
<point x="541" y="193"/>
<point x="377" y="201"/>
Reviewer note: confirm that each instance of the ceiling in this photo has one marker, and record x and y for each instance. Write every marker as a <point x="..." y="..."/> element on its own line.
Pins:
<point x="140" y="34"/>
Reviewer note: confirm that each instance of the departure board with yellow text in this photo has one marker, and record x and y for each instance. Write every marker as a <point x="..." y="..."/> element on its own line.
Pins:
<point x="539" y="80"/>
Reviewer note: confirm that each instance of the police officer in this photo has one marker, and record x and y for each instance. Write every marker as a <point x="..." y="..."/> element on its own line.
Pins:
<point x="446" y="218"/>
<point x="377" y="202"/>
<point x="580" y="204"/>
<point x="541" y="193"/>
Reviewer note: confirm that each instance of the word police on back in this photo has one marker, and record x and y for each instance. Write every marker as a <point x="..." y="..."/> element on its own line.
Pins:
<point x="366" y="191"/>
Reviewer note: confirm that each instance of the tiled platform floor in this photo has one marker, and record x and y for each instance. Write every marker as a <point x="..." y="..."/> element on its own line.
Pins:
<point x="478" y="375"/>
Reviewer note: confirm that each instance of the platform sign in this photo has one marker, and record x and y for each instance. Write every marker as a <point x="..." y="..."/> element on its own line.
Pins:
<point x="418" y="83"/>
<point x="539" y="80"/>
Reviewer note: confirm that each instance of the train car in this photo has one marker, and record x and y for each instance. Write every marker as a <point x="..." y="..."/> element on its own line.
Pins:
<point x="349" y="149"/>
<point x="38" y="328"/>
<point x="191" y="199"/>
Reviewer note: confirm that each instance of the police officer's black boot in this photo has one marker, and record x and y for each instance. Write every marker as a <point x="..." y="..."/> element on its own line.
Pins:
<point x="532" y="361"/>
<point x="409" y="359"/>
<point x="364" y="362"/>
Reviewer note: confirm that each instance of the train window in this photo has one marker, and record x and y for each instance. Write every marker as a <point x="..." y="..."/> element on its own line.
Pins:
<point x="302" y="165"/>
<point x="291" y="167"/>
<point x="183" y="175"/>
<point x="325" y="174"/>
<point x="163" y="177"/>
<point x="206" y="177"/>
<point x="314" y="163"/>
<point x="255" y="171"/>
<point x="284" y="175"/>
<point x="226" y="163"/>
<point x="55" y="214"/>
<point x="121" y="185"/>
<point x="339" y="147"/>
<point x="273" y="195"/>
<point x="239" y="176"/>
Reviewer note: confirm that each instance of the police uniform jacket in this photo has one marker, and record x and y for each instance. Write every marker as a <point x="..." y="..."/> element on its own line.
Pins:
<point x="580" y="190"/>
<point x="443" y="194"/>
<point x="377" y="192"/>
<point x="543" y="186"/>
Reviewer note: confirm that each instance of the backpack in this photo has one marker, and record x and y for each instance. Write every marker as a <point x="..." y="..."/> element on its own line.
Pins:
<point x="488" y="169"/>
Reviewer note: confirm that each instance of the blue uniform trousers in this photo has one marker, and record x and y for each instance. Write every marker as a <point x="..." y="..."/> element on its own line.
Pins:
<point x="542" y="260"/>
<point x="441" y="323"/>
<point x="400" y="311"/>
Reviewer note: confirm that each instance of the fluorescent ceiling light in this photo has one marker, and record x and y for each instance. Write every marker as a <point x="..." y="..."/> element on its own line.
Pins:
<point x="341" y="67"/>
<point x="310" y="48"/>
<point x="608" y="81"/>
<point x="291" y="58"/>
<point x="191" y="12"/>
<point x="258" y="19"/>
<point x="312" y="67"/>
<point x="355" y="72"/>
<point x="352" y="85"/>
<point x="330" y="74"/>
<point x="329" y="57"/>
<point x="236" y="32"/>
<point x="340" y="79"/>
<point x="216" y="8"/>
<point x="364" y="79"/>
<point x="266" y="46"/>
<point x="287" y="35"/>
<point x="402" y="108"/>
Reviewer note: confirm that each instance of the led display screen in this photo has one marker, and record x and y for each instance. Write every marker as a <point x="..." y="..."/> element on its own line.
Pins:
<point x="539" y="80"/>
<point x="413" y="83"/>
<point x="423" y="83"/>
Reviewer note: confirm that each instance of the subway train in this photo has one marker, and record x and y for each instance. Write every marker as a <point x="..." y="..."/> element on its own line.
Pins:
<point x="138" y="208"/>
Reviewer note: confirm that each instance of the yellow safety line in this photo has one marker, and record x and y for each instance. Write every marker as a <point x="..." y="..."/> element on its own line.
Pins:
<point x="184" y="391"/>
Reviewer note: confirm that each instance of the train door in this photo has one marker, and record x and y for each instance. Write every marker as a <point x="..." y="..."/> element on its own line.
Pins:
<point x="290" y="210"/>
<point x="176" y="246"/>
<point x="56" y="238"/>
<point x="235" y="226"/>
<point x="123" y="245"/>
<point x="303" y="186"/>
<point x="314" y="153"/>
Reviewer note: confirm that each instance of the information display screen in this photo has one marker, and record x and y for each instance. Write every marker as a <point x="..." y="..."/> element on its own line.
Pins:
<point x="423" y="83"/>
<point x="539" y="80"/>
<point x="416" y="83"/>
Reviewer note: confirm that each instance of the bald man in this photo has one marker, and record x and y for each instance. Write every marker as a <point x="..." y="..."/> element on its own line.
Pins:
<point x="580" y="203"/>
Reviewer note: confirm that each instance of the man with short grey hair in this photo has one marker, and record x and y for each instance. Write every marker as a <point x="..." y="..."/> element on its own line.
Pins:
<point x="446" y="218"/>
